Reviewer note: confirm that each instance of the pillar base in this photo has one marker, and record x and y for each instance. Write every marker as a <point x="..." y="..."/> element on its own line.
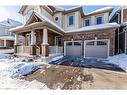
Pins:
<point x="32" y="50"/>
<point x="45" y="50"/>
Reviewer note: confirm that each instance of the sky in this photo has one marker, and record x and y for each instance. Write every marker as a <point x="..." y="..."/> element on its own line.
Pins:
<point x="12" y="11"/>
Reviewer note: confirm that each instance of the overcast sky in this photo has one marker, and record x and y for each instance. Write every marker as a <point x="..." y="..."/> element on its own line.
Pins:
<point x="12" y="11"/>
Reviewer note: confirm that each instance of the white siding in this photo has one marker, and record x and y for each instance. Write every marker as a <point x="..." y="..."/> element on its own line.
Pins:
<point x="60" y="19"/>
<point x="77" y="22"/>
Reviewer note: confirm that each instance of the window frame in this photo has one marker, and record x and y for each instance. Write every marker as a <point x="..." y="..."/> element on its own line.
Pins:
<point x="73" y="20"/>
<point x="84" y="24"/>
<point x="98" y="17"/>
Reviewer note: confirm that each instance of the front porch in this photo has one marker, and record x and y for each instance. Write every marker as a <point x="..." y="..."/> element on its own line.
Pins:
<point x="42" y="41"/>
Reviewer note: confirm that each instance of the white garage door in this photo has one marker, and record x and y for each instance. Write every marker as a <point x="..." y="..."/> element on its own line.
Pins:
<point x="73" y="48"/>
<point x="98" y="48"/>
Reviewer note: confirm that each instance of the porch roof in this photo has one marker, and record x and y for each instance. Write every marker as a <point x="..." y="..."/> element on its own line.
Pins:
<point x="38" y="25"/>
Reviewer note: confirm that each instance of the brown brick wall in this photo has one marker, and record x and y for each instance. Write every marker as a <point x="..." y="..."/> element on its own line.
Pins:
<point x="104" y="34"/>
<point x="125" y="15"/>
<point x="10" y="43"/>
<point x="1" y="43"/>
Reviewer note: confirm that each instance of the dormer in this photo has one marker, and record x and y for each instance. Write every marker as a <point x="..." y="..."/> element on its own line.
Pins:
<point x="72" y="18"/>
<point x="100" y="16"/>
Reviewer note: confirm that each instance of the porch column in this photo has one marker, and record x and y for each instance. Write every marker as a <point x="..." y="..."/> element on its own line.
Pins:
<point x="24" y="39"/>
<point x="16" y="43"/>
<point x="32" y="46"/>
<point x="5" y="43"/>
<point x="45" y="48"/>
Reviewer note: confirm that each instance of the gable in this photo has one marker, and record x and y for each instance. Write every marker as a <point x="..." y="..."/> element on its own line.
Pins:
<point x="33" y="18"/>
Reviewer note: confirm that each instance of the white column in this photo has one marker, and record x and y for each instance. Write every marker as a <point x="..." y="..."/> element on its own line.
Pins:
<point x="16" y="39"/>
<point x="32" y="38"/>
<point x="45" y="36"/>
<point x="4" y="42"/>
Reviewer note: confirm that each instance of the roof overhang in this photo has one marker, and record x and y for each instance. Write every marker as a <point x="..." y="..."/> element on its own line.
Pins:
<point x="96" y="27"/>
<point x="34" y="26"/>
<point x="100" y="11"/>
<point x="11" y="38"/>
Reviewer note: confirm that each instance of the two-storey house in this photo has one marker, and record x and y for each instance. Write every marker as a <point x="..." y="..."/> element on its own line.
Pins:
<point x="50" y="31"/>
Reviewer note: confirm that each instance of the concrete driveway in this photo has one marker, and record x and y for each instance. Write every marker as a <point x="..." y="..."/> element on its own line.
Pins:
<point x="87" y="63"/>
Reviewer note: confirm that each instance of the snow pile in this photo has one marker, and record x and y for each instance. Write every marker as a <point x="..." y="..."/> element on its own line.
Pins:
<point x="120" y="60"/>
<point x="5" y="56"/>
<point x="11" y="69"/>
<point x="15" y="70"/>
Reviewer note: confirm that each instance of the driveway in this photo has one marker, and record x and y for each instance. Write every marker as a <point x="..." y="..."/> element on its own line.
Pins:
<point x="87" y="63"/>
<point x="68" y="77"/>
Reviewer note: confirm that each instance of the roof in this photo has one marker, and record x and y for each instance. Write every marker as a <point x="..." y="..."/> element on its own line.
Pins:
<point x="10" y="23"/>
<point x="96" y="27"/>
<point x="73" y="9"/>
<point x="45" y="22"/>
<point x="12" y="38"/>
<point x="105" y="9"/>
<point x="114" y="13"/>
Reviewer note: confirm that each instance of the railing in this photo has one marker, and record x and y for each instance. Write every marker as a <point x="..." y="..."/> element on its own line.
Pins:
<point x="55" y="49"/>
<point x="23" y="49"/>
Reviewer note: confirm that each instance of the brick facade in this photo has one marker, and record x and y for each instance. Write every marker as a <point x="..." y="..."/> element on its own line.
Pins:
<point x="103" y="34"/>
<point x="125" y="15"/>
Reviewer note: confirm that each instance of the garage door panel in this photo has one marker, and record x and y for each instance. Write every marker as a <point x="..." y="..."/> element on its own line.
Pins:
<point x="98" y="49"/>
<point x="73" y="49"/>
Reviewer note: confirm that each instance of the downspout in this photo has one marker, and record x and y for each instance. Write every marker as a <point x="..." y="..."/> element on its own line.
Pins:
<point x="118" y="32"/>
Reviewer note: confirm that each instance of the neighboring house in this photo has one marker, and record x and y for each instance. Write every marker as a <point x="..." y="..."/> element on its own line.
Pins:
<point x="53" y="31"/>
<point x="120" y="16"/>
<point x="7" y="38"/>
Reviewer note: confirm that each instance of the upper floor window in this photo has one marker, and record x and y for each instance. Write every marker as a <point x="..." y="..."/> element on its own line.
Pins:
<point x="70" y="20"/>
<point x="87" y="22"/>
<point x="99" y="20"/>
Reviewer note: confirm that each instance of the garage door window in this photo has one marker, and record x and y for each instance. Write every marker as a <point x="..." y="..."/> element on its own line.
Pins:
<point x="90" y="43"/>
<point x="77" y="44"/>
<point x="101" y="43"/>
<point x="69" y="44"/>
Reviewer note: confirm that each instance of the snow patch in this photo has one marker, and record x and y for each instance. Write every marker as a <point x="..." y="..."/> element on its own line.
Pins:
<point x="57" y="58"/>
<point x="120" y="60"/>
<point x="12" y="68"/>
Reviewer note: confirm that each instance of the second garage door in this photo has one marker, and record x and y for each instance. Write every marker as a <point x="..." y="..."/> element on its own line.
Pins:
<point x="98" y="49"/>
<point x="73" y="48"/>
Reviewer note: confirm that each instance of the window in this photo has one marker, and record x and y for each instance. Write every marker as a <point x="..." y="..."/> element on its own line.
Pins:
<point x="99" y="20"/>
<point x="58" y="41"/>
<point x="77" y="44"/>
<point x="101" y="43"/>
<point x="56" y="18"/>
<point x="87" y="22"/>
<point x="90" y="43"/>
<point x="28" y="39"/>
<point x="70" y="20"/>
<point x="69" y="44"/>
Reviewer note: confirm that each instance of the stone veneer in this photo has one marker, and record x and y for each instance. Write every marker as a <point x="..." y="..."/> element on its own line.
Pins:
<point x="101" y="34"/>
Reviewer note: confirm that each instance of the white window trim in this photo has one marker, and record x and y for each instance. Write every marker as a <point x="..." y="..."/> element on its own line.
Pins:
<point x="68" y="20"/>
<point x="97" y="17"/>
<point x="85" y="21"/>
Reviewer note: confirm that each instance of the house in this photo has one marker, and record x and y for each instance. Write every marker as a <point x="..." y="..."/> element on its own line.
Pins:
<point x="7" y="38"/>
<point x="120" y="16"/>
<point x="51" y="31"/>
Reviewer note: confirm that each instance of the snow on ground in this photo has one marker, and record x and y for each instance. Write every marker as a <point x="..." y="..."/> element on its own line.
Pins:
<point x="120" y="60"/>
<point x="11" y="69"/>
